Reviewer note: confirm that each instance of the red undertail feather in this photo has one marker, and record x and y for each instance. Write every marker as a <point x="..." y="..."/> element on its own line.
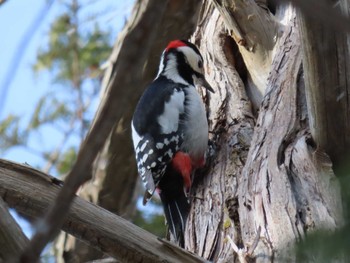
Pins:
<point x="183" y="163"/>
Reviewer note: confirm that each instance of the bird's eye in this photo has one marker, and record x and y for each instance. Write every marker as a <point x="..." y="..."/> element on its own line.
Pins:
<point x="200" y="64"/>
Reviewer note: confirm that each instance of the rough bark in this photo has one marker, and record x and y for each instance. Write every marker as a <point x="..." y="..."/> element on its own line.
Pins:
<point x="287" y="186"/>
<point x="12" y="239"/>
<point x="31" y="192"/>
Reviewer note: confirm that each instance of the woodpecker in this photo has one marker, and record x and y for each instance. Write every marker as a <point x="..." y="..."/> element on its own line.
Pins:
<point x="170" y="131"/>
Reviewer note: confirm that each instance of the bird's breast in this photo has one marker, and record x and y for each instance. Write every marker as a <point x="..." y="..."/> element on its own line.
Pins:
<point x="195" y="126"/>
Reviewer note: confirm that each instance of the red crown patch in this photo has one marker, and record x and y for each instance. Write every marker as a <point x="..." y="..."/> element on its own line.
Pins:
<point x="175" y="44"/>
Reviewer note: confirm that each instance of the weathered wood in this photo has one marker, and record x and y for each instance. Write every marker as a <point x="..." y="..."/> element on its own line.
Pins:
<point x="326" y="57"/>
<point x="213" y="213"/>
<point x="31" y="193"/>
<point x="287" y="187"/>
<point x="12" y="239"/>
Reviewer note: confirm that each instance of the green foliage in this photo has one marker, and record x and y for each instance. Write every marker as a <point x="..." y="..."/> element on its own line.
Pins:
<point x="11" y="133"/>
<point x="48" y="110"/>
<point x="67" y="160"/>
<point x="72" y="55"/>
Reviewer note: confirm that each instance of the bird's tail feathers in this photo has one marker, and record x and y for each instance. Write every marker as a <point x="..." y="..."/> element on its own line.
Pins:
<point x="176" y="212"/>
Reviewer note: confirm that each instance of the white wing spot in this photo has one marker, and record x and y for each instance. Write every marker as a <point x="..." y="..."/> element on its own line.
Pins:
<point x="144" y="158"/>
<point x="159" y="145"/>
<point x="175" y="139"/>
<point x="153" y="164"/>
<point x="169" y="152"/>
<point x="143" y="146"/>
<point x="143" y="170"/>
<point x="166" y="141"/>
<point x="150" y="151"/>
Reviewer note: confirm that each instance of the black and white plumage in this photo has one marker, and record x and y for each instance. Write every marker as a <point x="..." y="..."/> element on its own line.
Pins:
<point x="170" y="118"/>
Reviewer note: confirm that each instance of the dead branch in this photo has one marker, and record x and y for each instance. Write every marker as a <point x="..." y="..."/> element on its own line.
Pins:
<point x="31" y="192"/>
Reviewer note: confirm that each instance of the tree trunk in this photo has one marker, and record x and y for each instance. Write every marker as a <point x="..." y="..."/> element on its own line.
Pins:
<point x="266" y="186"/>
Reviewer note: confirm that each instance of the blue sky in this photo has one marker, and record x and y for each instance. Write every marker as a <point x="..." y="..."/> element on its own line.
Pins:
<point x="20" y="97"/>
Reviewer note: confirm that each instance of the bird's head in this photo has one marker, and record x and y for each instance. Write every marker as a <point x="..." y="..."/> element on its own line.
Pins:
<point x="182" y="63"/>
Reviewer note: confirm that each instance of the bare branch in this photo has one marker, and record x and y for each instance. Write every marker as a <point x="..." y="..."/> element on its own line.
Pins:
<point x="12" y="239"/>
<point x="31" y="192"/>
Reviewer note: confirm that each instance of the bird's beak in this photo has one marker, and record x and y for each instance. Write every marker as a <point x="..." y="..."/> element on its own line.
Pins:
<point x="202" y="82"/>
